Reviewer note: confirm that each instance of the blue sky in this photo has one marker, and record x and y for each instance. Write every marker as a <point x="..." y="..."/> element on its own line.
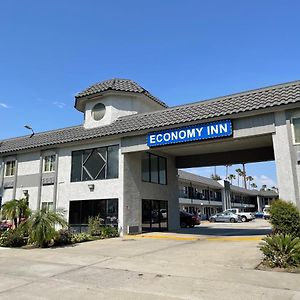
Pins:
<point x="182" y="51"/>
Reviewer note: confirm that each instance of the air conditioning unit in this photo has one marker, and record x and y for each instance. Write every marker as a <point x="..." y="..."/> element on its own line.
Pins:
<point x="133" y="229"/>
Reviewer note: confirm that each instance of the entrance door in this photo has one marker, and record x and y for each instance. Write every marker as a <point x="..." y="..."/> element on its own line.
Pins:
<point x="154" y="215"/>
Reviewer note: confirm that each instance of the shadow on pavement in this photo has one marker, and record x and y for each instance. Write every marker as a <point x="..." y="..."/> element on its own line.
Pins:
<point x="203" y="230"/>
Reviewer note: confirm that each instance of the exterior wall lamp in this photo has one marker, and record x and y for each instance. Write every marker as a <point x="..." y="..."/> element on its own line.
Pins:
<point x="26" y="194"/>
<point x="91" y="187"/>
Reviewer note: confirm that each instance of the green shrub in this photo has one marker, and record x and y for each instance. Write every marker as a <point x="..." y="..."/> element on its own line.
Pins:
<point x="281" y="251"/>
<point x="13" y="238"/>
<point x="285" y="218"/>
<point x="42" y="226"/>
<point x="109" y="232"/>
<point x="94" y="226"/>
<point x="63" y="237"/>
<point x="80" y="237"/>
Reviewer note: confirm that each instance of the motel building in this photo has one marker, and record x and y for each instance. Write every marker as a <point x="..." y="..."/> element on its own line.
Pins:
<point x="123" y="161"/>
<point x="208" y="197"/>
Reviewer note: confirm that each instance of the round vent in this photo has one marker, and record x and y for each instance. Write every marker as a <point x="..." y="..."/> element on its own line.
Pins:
<point x="98" y="111"/>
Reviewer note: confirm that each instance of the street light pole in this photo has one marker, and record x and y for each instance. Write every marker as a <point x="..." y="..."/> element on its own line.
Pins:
<point x="29" y="128"/>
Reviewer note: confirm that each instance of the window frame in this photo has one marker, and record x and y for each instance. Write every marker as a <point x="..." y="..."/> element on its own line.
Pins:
<point x="159" y="158"/>
<point x="106" y="165"/>
<point x="53" y="165"/>
<point x="11" y="169"/>
<point x="47" y="204"/>
<point x="297" y="116"/>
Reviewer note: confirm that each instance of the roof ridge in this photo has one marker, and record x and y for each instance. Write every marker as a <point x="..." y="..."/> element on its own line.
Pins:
<point x="251" y="91"/>
<point x="40" y="133"/>
<point x="217" y="99"/>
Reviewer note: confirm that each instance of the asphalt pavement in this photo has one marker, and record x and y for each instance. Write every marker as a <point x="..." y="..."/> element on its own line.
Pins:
<point x="213" y="261"/>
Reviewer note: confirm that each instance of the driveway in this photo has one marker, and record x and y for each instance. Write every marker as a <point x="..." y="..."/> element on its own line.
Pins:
<point x="185" y="265"/>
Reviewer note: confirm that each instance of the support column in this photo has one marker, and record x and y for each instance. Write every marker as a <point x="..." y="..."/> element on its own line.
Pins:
<point x="40" y="182"/>
<point x="259" y="208"/>
<point x="15" y="179"/>
<point x="55" y="181"/>
<point x="2" y="167"/>
<point x="285" y="160"/>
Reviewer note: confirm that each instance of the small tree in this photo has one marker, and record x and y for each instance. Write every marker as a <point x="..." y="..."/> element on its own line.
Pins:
<point x="42" y="226"/>
<point x="285" y="218"/>
<point x="215" y="177"/>
<point x="16" y="210"/>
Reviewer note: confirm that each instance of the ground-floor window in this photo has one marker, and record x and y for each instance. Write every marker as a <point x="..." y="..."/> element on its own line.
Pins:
<point x="47" y="205"/>
<point x="81" y="210"/>
<point x="154" y="215"/>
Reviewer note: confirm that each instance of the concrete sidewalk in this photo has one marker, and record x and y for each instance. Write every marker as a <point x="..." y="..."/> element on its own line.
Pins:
<point x="144" y="268"/>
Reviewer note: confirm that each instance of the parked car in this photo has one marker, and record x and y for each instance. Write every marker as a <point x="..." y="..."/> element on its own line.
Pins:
<point x="245" y="216"/>
<point x="266" y="212"/>
<point x="4" y="225"/>
<point x="189" y="220"/>
<point x="259" y="215"/>
<point x="225" y="217"/>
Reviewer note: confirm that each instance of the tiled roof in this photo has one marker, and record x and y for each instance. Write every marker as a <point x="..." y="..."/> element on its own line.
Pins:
<point x="200" y="179"/>
<point x="176" y="116"/>
<point x="116" y="84"/>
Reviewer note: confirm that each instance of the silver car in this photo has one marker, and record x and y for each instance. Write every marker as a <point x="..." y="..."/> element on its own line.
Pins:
<point x="225" y="217"/>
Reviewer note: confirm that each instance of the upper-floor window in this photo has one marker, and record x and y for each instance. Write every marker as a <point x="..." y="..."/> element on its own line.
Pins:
<point x="10" y="168"/>
<point x="95" y="164"/>
<point x="154" y="168"/>
<point x="296" y="126"/>
<point x="49" y="163"/>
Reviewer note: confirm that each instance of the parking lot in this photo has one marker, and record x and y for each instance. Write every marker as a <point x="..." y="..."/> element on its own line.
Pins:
<point x="212" y="261"/>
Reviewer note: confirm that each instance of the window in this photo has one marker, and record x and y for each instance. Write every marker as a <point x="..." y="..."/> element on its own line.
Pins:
<point x="98" y="111"/>
<point x="80" y="211"/>
<point x="95" y="164"/>
<point x="154" y="168"/>
<point x="47" y="205"/>
<point x="49" y="163"/>
<point x="296" y="126"/>
<point x="10" y="168"/>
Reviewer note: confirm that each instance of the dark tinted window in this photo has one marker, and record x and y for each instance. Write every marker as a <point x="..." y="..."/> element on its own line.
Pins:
<point x="94" y="164"/>
<point x="113" y="162"/>
<point x="154" y="168"/>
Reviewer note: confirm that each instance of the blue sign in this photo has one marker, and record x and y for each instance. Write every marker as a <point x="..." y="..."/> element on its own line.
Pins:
<point x="189" y="134"/>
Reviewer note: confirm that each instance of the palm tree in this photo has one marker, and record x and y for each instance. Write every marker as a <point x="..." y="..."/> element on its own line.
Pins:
<point x="231" y="177"/>
<point x="16" y="210"/>
<point x="249" y="179"/>
<point x="253" y="185"/>
<point x="239" y="173"/>
<point x="42" y="226"/>
<point x="215" y="177"/>
<point x="227" y="166"/>
<point x="263" y="187"/>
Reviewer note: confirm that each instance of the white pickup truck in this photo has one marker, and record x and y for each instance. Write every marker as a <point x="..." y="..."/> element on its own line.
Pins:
<point x="245" y="216"/>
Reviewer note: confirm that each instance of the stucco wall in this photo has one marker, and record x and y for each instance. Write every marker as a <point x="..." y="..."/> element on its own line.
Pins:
<point x="135" y="190"/>
<point x="117" y="106"/>
<point x="285" y="159"/>
<point x="104" y="189"/>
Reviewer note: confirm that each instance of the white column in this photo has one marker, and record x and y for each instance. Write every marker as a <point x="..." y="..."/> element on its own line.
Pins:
<point x="285" y="161"/>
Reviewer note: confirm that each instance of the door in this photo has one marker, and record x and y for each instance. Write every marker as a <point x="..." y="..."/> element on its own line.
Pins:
<point x="154" y="215"/>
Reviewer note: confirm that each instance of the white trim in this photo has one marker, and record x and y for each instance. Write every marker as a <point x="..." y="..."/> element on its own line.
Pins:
<point x="5" y="168"/>
<point x="296" y="116"/>
<point x="44" y="163"/>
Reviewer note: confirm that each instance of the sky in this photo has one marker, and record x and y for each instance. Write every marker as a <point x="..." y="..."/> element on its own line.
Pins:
<point x="181" y="51"/>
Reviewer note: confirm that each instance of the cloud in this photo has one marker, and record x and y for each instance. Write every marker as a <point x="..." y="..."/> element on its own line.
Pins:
<point x="264" y="179"/>
<point x="59" y="104"/>
<point x="3" y="105"/>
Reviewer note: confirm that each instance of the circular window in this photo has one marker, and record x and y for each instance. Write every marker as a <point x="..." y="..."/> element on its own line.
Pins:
<point x="98" y="111"/>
